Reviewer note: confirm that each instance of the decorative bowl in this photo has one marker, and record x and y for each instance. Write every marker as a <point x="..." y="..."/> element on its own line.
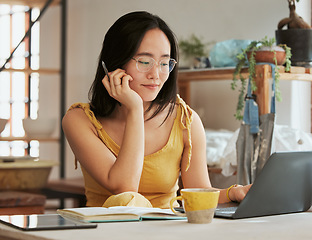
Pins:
<point x="23" y="173"/>
<point x="3" y="122"/>
<point x="40" y="127"/>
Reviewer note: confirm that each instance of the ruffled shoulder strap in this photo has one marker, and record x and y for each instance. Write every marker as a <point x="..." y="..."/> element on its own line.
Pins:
<point x="185" y="123"/>
<point x="86" y="108"/>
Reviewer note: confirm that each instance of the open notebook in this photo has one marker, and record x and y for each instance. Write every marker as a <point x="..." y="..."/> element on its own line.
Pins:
<point x="283" y="186"/>
<point x="118" y="213"/>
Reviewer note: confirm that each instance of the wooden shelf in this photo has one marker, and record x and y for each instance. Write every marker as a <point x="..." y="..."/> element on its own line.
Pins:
<point x="30" y="3"/>
<point x="28" y="139"/>
<point x="194" y="75"/>
<point x="263" y="74"/>
<point x="208" y="74"/>
<point x="29" y="71"/>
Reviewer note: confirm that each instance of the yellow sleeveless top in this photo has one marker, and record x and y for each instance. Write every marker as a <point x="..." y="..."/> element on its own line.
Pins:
<point x="159" y="179"/>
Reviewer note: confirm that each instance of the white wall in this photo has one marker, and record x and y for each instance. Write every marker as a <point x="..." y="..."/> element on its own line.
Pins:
<point x="88" y="20"/>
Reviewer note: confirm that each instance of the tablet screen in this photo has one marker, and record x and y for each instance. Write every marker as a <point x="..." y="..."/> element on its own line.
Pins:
<point x="43" y="222"/>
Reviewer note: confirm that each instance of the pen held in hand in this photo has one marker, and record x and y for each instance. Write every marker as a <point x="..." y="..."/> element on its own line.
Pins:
<point x="105" y="70"/>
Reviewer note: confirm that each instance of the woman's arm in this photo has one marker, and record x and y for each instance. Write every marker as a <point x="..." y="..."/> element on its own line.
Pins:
<point x="197" y="175"/>
<point x="115" y="174"/>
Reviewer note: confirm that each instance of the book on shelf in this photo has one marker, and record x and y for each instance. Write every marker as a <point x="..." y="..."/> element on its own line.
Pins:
<point x="118" y="214"/>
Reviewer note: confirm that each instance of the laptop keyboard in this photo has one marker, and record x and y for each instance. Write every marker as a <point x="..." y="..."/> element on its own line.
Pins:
<point x="226" y="210"/>
<point x="220" y="211"/>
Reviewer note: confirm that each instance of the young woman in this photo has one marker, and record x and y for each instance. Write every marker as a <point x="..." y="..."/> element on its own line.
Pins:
<point x="137" y="135"/>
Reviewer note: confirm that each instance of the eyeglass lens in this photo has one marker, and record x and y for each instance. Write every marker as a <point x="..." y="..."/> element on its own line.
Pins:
<point x="144" y="64"/>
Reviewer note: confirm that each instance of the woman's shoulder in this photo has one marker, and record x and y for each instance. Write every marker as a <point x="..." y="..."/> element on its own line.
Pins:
<point x="74" y="113"/>
<point x="76" y="110"/>
<point x="79" y="105"/>
<point x="78" y="114"/>
<point x="73" y="116"/>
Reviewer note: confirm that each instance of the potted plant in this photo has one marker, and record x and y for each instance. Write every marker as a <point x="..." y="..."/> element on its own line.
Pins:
<point x="264" y="50"/>
<point x="194" y="51"/>
<point x="297" y="36"/>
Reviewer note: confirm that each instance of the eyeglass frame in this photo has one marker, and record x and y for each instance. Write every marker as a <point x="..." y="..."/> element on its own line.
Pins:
<point x="154" y="61"/>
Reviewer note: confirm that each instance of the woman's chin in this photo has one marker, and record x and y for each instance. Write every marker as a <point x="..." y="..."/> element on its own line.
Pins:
<point x="148" y="98"/>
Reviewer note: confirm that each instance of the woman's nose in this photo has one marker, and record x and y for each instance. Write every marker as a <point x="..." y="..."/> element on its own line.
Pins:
<point x="154" y="72"/>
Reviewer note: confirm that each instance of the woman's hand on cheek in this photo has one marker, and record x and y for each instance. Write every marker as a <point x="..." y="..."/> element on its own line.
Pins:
<point x="118" y="88"/>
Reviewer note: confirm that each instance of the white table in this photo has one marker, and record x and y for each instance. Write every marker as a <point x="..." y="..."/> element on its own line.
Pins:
<point x="289" y="226"/>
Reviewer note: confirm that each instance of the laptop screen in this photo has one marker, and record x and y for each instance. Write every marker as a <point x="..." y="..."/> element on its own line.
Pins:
<point x="284" y="185"/>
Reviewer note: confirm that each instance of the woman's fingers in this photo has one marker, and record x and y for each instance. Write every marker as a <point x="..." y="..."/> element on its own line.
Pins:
<point x="116" y="84"/>
<point x="118" y="88"/>
<point x="125" y="80"/>
<point x="106" y="83"/>
<point x="115" y="78"/>
<point x="242" y="191"/>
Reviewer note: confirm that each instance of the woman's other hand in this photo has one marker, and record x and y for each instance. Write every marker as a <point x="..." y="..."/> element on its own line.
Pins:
<point x="238" y="193"/>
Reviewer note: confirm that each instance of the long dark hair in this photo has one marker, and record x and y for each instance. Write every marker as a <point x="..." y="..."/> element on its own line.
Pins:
<point x="120" y="44"/>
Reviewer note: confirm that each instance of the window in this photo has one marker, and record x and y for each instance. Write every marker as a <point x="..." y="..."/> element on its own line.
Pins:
<point x="19" y="90"/>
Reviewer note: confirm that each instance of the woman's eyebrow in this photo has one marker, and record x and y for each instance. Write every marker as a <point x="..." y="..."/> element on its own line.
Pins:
<point x="151" y="55"/>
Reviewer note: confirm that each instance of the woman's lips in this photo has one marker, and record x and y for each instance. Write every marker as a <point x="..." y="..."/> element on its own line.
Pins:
<point x="151" y="86"/>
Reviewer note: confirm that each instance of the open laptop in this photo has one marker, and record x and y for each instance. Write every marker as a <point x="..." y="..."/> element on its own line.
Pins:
<point x="283" y="186"/>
